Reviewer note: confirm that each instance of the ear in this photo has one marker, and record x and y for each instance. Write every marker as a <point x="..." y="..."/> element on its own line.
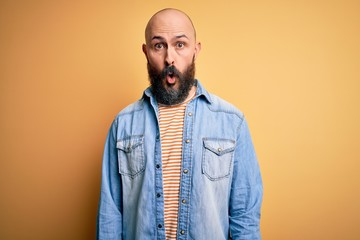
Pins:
<point x="197" y="49"/>
<point x="144" y="49"/>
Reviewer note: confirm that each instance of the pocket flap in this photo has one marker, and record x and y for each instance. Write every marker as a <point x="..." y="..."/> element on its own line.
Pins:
<point x="219" y="146"/>
<point x="130" y="143"/>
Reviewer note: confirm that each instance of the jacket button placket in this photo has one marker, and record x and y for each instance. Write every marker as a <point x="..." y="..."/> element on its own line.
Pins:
<point x="159" y="200"/>
<point x="184" y="197"/>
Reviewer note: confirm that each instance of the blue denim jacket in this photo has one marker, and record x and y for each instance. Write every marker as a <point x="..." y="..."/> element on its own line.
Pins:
<point x="221" y="187"/>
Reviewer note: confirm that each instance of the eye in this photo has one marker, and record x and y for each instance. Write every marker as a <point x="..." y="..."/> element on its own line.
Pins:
<point x="180" y="44"/>
<point x="159" y="46"/>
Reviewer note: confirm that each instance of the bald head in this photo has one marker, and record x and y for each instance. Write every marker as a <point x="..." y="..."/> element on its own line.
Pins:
<point x="169" y="19"/>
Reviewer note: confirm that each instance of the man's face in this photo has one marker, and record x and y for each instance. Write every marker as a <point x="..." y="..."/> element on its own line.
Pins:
<point x="171" y="51"/>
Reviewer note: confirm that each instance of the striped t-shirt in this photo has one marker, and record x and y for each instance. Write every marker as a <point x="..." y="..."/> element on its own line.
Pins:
<point x="171" y="120"/>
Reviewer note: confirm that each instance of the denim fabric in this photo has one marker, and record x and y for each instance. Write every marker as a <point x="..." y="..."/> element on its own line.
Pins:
<point x="221" y="187"/>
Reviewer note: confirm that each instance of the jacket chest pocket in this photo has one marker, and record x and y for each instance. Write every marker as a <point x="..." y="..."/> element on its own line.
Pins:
<point x="217" y="158"/>
<point x="131" y="155"/>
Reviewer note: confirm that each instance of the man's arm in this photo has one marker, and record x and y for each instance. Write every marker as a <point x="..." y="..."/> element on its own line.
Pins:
<point x="246" y="190"/>
<point x="109" y="219"/>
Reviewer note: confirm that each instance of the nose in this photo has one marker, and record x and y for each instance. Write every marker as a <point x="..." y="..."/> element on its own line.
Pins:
<point x="169" y="59"/>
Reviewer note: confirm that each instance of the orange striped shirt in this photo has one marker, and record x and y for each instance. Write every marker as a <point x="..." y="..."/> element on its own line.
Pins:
<point x="171" y="120"/>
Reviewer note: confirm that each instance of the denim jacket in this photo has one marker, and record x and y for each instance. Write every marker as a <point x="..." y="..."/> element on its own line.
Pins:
<point x="220" y="189"/>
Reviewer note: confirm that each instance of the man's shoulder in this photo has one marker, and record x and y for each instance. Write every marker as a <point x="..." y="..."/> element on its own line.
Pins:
<point x="218" y="104"/>
<point x="132" y="107"/>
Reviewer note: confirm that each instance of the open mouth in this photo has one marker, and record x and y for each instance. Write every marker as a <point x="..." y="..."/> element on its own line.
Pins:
<point x="170" y="74"/>
<point x="170" y="78"/>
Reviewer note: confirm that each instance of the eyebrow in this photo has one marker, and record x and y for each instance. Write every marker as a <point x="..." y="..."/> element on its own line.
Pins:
<point x="181" y="36"/>
<point x="161" y="38"/>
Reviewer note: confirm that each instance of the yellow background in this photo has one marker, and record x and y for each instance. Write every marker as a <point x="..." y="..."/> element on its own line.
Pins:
<point x="68" y="67"/>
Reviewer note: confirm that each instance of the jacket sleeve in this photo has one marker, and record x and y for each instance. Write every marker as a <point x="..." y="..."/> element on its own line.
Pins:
<point x="109" y="218"/>
<point x="246" y="190"/>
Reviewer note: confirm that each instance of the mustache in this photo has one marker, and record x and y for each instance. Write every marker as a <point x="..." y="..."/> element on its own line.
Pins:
<point x="171" y="71"/>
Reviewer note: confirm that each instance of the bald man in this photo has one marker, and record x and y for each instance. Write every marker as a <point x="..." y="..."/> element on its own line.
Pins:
<point x="179" y="163"/>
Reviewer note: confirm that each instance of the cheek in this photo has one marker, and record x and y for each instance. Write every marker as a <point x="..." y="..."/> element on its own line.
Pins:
<point x="156" y="60"/>
<point x="185" y="63"/>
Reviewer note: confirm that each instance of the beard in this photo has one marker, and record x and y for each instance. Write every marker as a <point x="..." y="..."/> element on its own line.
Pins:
<point x="167" y="94"/>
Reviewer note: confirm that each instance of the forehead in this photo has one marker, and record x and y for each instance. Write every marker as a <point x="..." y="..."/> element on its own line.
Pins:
<point x="169" y="22"/>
